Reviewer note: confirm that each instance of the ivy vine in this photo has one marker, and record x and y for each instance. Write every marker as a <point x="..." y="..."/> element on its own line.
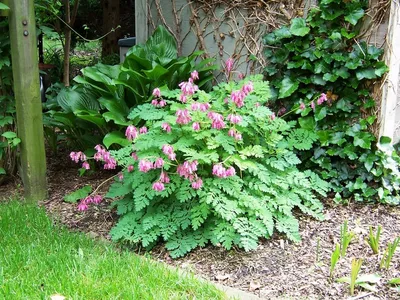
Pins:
<point x="323" y="55"/>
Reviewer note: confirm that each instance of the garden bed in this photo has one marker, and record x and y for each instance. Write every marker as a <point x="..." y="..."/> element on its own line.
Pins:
<point x="277" y="268"/>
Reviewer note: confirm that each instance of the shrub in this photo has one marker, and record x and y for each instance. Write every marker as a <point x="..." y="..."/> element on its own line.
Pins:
<point x="210" y="167"/>
<point x="8" y="137"/>
<point x="322" y="55"/>
<point x="104" y="95"/>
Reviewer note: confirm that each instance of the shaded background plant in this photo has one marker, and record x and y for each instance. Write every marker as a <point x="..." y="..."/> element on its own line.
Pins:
<point x="322" y="55"/>
<point x="98" y="105"/>
<point x="8" y="137"/>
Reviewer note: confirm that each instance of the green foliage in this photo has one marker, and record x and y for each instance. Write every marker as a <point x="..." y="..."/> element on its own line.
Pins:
<point x="373" y="240"/>
<point x="334" y="259"/>
<point x="105" y="95"/>
<point x="321" y="55"/>
<point x="256" y="200"/>
<point x="355" y="269"/>
<point x="8" y="137"/>
<point x="3" y="6"/>
<point x="345" y="238"/>
<point x="390" y="250"/>
<point x="364" y="281"/>
<point x="78" y="194"/>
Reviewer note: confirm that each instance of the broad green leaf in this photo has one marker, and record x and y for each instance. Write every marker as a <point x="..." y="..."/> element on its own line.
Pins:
<point x="2" y="171"/>
<point x="78" y="194"/>
<point x="3" y="6"/>
<point x="385" y="140"/>
<point x="16" y="141"/>
<point x="270" y="39"/>
<point x="6" y="120"/>
<point x="354" y="16"/>
<point x="92" y="117"/>
<point x="330" y="77"/>
<point x="288" y="87"/>
<point x="369" y="161"/>
<point x="320" y="113"/>
<point x="72" y="100"/>
<point x="368" y="73"/>
<point x="9" y="135"/>
<point x="307" y="123"/>
<point x="363" y="140"/>
<point x="298" y="27"/>
<point x="115" y="137"/>
<point x="163" y="44"/>
<point x="116" y="118"/>
<point x="342" y="72"/>
<point x="282" y="32"/>
<point x="156" y="72"/>
<point x="381" y="68"/>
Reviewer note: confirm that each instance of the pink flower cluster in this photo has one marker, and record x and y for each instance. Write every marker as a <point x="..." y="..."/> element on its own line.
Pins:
<point x="200" y="106"/>
<point x="77" y="156"/>
<point x="188" y="88"/>
<point x="168" y="150"/>
<point x="183" y="116"/>
<point x="131" y="132"/>
<point x="84" y="203"/>
<point x="158" y="102"/>
<point x="197" y="183"/>
<point x="166" y="127"/>
<point x="80" y="156"/>
<point x="221" y="172"/>
<point x="194" y="75"/>
<point x="196" y="126"/>
<point x="188" y="171"/>
<point x="217" y="120"/>
<point x="145" y="165"/>
<point x="234" y="119"/>
<point x="229" y="65"/>
<point x="103" y="155"/>
<point x="323" y="98"/>
<point x="159" y="185"/>
<point x="235" y="134"/>
<point x="237" y="97"/>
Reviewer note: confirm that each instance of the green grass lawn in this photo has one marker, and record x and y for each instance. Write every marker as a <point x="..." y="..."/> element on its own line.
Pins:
<point x="39" y="259"/>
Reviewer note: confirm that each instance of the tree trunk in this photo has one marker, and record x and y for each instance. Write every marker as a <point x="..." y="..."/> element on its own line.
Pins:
<point x="67" y="45"/>
<point x="111" y="19"/>
<point x="27" y="97"/>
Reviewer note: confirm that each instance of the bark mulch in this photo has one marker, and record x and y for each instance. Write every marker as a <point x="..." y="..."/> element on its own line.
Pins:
<point x="277" y="269"/>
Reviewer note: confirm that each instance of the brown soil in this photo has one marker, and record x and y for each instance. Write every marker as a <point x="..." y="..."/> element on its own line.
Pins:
<point x="277" y="269"/>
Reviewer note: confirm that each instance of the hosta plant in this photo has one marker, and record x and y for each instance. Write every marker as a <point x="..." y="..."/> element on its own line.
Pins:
<point x="214" y="167"/>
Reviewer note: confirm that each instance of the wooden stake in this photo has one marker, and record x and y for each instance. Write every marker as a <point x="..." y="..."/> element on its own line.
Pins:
<point x="27" y="95"/>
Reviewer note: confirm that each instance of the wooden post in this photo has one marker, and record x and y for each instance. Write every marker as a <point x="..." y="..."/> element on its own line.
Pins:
<point x="27" y="95"/>
<point x="391" y="88"/>
<point x="141" y="22"/>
